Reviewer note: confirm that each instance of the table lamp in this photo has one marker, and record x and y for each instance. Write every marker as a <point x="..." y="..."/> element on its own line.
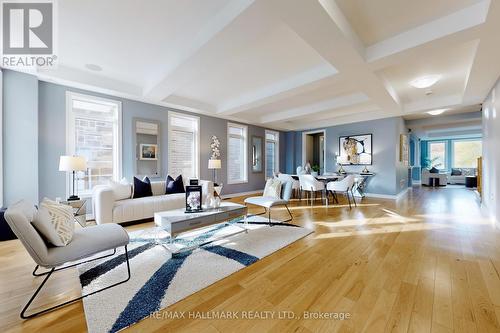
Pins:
<point x="341" y="160"/>
<point x="214" y="165"/>
<point x="365" y="159"/>
<point x="72" y="164"/>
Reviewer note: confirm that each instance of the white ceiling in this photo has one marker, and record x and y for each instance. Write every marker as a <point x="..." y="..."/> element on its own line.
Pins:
<point x="284" y="64"/>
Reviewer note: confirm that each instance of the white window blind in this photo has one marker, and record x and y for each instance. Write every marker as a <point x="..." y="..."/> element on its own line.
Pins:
<point x="94" y="131"/>
<point x="183" y="145"/>
<point x="237" y="167"/>
<point x="272" y="153"/>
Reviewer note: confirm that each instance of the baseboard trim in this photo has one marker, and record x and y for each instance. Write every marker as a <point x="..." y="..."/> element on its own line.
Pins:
<point x="240" y="194"/>
<point x="388" y="196"/>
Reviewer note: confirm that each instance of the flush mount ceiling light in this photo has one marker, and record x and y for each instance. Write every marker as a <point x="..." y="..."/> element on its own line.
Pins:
<point x="436" y="112"/>
<point x="425" y="81"/>
<point x="93" y="67"/>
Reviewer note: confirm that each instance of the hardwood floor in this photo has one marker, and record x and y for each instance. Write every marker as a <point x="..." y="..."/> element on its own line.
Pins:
<point x="428" y="263"/>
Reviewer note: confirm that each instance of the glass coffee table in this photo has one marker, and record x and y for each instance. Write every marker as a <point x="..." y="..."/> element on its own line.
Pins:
<point x="177" y="221"/>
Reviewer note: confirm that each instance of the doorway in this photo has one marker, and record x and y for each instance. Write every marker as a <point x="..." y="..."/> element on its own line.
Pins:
<point x="313" y="149"/>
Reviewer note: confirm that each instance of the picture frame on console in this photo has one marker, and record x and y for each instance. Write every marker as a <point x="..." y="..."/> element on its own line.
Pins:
<point x="193" y="199"/>
<point x="356" y="149"/>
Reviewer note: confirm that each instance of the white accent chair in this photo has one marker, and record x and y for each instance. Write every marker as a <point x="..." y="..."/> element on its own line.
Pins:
<point x="311" y="185"/>
<point x="343" y="186"/>
<point x="86" y="243"/>
<point x="283" y="177"/>
<point x="269" y="202"/>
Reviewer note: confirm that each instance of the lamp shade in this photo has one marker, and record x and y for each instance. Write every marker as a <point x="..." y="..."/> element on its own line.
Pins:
<point x="72" y="163"/>
<point x="214" y="164"/>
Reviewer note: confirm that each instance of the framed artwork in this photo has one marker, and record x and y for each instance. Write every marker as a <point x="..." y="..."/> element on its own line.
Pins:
<point x="148" y="151"/>
<point x="257" y="144"/>
<point x="404" y="149"/>
<point x="193" y="199"/>
<point x="355" y="150"/>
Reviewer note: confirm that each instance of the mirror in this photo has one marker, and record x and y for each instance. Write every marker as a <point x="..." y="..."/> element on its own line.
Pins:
<point x="147" y="151"/>
<point x="257" y="154"/>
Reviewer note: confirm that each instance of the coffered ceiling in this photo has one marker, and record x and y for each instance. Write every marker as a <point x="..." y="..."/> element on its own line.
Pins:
<point x="284" y="64"/>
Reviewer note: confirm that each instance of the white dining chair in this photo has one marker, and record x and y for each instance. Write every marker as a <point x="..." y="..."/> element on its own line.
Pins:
<point x="343" y="186"/>
<point x="283" y="177"/>
<point x="311" y="185"/>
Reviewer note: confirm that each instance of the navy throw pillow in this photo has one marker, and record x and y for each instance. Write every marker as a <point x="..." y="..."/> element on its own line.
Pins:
<point x="174" y="186"/>
<point x="456" y="172"/>
<point x="142" y="188"/>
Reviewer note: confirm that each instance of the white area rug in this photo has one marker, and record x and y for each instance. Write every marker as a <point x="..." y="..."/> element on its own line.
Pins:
<point x="159" y="280"/>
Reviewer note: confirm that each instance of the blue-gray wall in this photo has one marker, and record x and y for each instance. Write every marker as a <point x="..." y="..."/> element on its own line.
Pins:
<point x="391" y="176"/>
<point x="52" y="113"/>
<point x="20" y="137"/>
<point x="35" y="138"/>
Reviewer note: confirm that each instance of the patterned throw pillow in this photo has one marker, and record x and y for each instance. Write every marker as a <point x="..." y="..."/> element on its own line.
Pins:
<point x="273" y="188"/>
<point x="55" y="222"/>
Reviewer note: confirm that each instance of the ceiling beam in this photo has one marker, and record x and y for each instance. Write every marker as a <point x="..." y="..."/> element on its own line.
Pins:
<point x="454" y="23"/>
<point x="311" y="109"/>
<point x="199" y="53"/>
<point x="299" y="83"/>
<point x="323" y="27"/>
<point x="485" y="67"/>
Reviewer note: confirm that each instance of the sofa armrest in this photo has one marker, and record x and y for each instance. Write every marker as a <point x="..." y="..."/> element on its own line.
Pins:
<point x="103" y="201"/>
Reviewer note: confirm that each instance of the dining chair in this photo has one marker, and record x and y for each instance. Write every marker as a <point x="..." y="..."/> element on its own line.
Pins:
<point x="343" y="186"/>
<point x="311" y="185"/>
<point x="283" y="177"/>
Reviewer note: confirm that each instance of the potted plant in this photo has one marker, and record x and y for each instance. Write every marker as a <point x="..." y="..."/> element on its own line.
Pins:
<point x="315" y="170"/>
<point x="432" y="164"/>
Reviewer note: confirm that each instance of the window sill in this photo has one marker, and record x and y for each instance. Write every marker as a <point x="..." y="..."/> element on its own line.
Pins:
<point x="237" y="182"/>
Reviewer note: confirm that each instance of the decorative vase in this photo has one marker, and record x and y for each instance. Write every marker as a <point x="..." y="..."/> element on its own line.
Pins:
<point x="216" y="202"/>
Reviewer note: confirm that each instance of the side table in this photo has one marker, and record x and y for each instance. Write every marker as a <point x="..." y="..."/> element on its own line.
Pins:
<point x="79" y="210"/>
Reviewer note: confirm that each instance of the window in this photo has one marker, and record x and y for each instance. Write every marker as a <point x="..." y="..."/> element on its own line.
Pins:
<point x="94" y="131"/>
<point x="437" y="151"/>
<point x="183" y="145"/>
<point x="237" y="168"/>
<point x="466" y="152"/>
<point x="272" y="153"/>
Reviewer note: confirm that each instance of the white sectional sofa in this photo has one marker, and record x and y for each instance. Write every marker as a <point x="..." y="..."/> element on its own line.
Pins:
<point x="107" y="209"/>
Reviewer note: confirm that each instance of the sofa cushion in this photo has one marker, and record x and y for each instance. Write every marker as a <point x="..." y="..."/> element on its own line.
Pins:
<point x="273" y="188"/>
<point x="142" y="188"/>
<point x="456" y="172"/>
<point x="174" y="186"/>
<point x="144" y="208"/>
<point x="55" y="222"/>
<point x="121" y="190"/>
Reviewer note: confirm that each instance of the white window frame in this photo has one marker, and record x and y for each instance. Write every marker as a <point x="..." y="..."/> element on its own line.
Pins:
<point x="70" y="137"/>
<point x="1" y="138"/>
<point x="277" y="151"/>
<point x="197" y="139"/>
<point x="245" y="152"/>
<point x="452" y="148"/>
<point x="446" y="165"/>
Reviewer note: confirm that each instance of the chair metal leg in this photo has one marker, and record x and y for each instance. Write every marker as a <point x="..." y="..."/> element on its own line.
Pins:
<point x="354" y="199"/>
<point x="349" y="200"/>
<point x="284" y="221"/>
<point x="49" y="273"/>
